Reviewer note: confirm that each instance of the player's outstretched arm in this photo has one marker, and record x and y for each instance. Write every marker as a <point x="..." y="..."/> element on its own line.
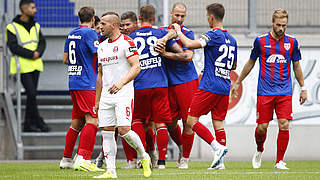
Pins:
<point x="132" y="73"/>
<point x="98" y="88"/>
<point x="65" y="58"/>
<point x="188" y="43"/>
<point x="245" y="71"/>
<point x="299" y="76"/>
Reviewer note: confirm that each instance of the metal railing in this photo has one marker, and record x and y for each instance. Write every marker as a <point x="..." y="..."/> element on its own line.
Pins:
<point x="14" y="118"/>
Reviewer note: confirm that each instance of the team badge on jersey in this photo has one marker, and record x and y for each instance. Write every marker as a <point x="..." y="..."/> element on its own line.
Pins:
<point x="287" y="46"/>
<point x="115" y="49"/>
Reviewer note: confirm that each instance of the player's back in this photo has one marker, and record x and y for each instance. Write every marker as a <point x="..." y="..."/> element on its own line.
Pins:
<point x="153" y="71"/>
<point x="220" y="54"/>
<point x="81" y="46"/>
<point x="181" y="71"/>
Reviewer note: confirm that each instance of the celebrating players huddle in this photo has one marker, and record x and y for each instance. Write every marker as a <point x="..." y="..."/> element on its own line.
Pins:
<point x="143" y="77"/>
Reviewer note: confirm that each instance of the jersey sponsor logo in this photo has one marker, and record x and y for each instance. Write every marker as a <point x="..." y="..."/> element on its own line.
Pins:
<point x="110" y="60"/>
<point x="74" y="37"/>
<point x="287" y="46"/>
<point x="115" y="49"/>
<point x="144" y="34"/>
<point x="276" y="58"/>
<point x="74" y="70"/>
<point x="150" y="63"/>
<point x="223" y="73"/>
<point x="96" y="44"/>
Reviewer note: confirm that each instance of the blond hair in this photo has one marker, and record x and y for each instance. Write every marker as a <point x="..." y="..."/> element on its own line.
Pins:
<point x="280" y="13"/>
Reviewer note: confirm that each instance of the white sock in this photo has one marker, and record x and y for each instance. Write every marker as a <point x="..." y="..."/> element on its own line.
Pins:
<point x="134" y="141"/>
<point x="215" y="145"/>
<point x="109" y="150"/>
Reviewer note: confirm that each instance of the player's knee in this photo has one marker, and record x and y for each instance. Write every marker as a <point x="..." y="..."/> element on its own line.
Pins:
<point x="284" y="125"/>
<point x="123" y="130"/>
<point x="262" y="129"/>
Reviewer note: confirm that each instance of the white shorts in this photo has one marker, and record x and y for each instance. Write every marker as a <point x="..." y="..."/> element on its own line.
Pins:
<point x="115" y="112"/>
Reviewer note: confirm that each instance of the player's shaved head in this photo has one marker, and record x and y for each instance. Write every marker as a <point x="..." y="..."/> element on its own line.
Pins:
<point x="112" y="17"/>
<point x="147" y="13"/>
<point x="180" y="5"/>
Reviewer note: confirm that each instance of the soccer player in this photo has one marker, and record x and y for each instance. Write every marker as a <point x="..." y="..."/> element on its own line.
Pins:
<point x="183" y="83"/>
<point x="220" y="51"/>
<point x="151" y="85"/>
<point x="129" y="24"/>
<point x="275" y="50"/>
<point x="80" y="54"/>
<point x="118" y="65"/>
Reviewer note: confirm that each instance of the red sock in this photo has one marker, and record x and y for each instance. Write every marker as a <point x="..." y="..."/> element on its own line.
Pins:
<point x="282" y="143"/>
<point x="260" y="139"/>
<point x="87" y="141"/>
<point x="128" y="150"/>
<point x="137" y="127"/>
<point x="150" y="139"/>
<point x="162" y="141"/>
<point x="203" y="132"/>
<point x="187" y="142"/>
<point x="71" y="139"/>
<point x="221" y="136"/>
<point x="176" y="135"/>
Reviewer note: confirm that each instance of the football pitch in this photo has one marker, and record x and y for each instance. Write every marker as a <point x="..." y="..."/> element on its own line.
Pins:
<point x="197" y="170"/>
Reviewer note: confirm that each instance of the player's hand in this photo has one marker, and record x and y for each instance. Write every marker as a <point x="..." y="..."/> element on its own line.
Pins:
<point x="234" y="89"/>
<point x="303" y="96"/>
<point x="160" y="46"/>
<point x="176" y="27"/>
<point x="96" y="108"/>
<point x="115" y="88"/>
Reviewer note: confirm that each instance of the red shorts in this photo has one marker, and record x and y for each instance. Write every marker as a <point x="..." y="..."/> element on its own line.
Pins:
<point x="266" y="104"/>
<point x="203" y="102"/>
<point x="152" y="104"/>
<point x="83" y="102"/>
<point x="180" y="97"/>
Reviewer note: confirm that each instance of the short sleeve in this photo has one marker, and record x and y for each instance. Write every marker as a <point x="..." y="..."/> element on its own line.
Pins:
<point x="296" y="54"/>
<point x="130" y="48"/>
<point x="92" y="41"/>
<point x="208" y="39"/>
<point x="255" y="51"/>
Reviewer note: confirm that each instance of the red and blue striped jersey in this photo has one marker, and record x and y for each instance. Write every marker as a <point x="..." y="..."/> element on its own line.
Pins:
<point x="275" y="58"/>
<point x="180" y="72"/>
<point x="81" y="45"/>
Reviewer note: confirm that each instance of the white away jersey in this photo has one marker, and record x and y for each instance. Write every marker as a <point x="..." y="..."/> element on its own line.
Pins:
<point x="113" y="56"/>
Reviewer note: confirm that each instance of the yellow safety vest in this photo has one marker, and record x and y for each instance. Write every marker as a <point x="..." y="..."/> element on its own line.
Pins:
<point x="28" y="40"/>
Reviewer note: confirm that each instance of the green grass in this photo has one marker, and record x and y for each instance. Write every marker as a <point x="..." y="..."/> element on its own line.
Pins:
<point x="197" y="170"/>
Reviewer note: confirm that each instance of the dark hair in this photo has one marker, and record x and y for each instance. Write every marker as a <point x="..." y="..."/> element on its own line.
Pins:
<point x="147" y="12"/>
<point x="217" y="10"/>
<point x="25" y="2"/>
<point x="129" y="15"/>
<point x="96" y="20"/>
<point x="179" y="4"/>
<point x="85" y="14"/>
<point x="110" y="13"/>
